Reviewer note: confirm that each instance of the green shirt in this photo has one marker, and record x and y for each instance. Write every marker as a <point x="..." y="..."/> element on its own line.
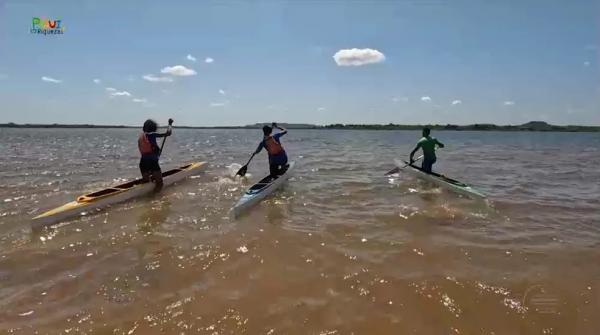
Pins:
<point x="428" y="145"/>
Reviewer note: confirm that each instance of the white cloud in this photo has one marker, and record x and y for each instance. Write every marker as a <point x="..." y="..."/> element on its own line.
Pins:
<point x="208" y="60"/>
<point x="121" y="94"/>
<point x="140" y="100"/>
<point x="586" y="63"/>
<point x="110" y="89"/>
<point x="178" y="70"/>
<point x="426" y="99"/>
<point x="155" y="79"/>
<point x="191" y="58"/>
<point x="222" y="92"/>
<point x="358" y="57"/>
<point x="321" y="109"/>
<point x="218" y="104"/>
<point x="509" y="103"/>
<point x="456" y="102"/>
<point x="396" y="99"/>
<point x="51" y="80"/>
<point x="96" y="81"/>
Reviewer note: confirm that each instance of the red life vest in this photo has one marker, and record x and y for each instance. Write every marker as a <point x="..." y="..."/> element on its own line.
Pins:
<point x="273" y="147"/>
<point x="144" y="145"/>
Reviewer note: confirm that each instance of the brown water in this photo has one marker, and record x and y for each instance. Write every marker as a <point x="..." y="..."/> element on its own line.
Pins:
<point x="339" y="250"/>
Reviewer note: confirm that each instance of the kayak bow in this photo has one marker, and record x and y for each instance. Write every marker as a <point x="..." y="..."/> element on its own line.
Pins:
<point x="113" y="195"/>
<point x="261" y="190"/>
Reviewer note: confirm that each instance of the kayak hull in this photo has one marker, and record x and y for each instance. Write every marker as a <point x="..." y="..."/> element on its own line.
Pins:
<point x="113" y="195"/>
<point x="441" y="180"/>
<point x="261" y="190"/>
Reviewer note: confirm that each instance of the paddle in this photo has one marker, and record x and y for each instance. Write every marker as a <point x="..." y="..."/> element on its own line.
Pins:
<point x="165" y="138"/>
<point x="396" y="169"/>
<point x="242" y="171"/>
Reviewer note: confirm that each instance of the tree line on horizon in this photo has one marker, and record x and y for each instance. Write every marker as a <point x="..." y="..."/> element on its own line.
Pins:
<point x="529" y="126"/>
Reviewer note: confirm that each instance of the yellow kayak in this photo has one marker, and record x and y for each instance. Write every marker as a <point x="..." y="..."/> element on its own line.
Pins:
<point x="113" y="195"/>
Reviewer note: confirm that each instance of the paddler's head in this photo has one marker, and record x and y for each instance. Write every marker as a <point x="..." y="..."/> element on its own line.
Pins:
<point x="150" y="126"/>
<point x="426" y="132"/>
<point x="267" y="130"/>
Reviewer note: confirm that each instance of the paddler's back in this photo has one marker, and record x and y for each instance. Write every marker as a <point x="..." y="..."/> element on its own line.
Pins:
<point x="428" y="145"/>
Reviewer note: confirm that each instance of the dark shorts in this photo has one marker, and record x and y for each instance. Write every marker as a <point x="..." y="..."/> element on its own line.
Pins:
<point x="149" y="166"/>
<point x="277" y="169"/>
<point x="427" y="164"/>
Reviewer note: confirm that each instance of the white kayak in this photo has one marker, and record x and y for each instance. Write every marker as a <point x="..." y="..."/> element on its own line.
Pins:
<point x="441" y="180"/>
<point x="113" y="195"/>
<point x="260" y="190"/>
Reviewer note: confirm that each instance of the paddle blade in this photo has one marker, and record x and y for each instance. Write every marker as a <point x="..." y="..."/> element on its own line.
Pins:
<point x="242" y="171"/>
<point x="392" y="171"/>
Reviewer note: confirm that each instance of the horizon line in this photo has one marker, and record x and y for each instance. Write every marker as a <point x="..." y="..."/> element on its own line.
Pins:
<point x="298" y="124"/>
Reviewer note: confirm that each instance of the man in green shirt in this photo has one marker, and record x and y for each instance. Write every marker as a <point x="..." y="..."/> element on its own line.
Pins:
<point x="427" y="144"/>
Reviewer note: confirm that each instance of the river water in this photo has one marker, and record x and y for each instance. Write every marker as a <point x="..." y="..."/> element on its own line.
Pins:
<point x="340" y="249"/>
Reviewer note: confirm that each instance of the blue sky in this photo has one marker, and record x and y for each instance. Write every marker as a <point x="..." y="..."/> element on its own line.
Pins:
<point x="415" y="62"/>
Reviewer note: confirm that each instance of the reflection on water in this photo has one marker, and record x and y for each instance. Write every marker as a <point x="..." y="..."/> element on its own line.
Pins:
<point x="151" y="218"/>
<point x="339" y="249"/>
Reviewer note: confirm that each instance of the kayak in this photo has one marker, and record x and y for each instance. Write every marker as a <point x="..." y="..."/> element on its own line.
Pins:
<point x="260" y="190"/>
<point x="113" y="195"/>
<point x="441" y="180"/>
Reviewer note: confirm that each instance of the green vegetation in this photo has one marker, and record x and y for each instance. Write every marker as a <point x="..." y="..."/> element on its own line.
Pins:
<point x="529" y="126"/>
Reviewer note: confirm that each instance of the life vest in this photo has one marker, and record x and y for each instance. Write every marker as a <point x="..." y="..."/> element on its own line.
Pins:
<point x="273" y="147"/>
<point x="144" y="145"/>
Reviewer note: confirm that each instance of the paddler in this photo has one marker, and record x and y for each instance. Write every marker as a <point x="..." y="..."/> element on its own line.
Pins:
<point x="150" y="152"/>
<point x="427" y="144"/>
<point x="272" y="143"/>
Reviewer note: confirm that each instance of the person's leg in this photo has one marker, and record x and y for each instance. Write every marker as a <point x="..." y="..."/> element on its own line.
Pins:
<point x="273" y="169"/>
<point x="282" y="166"/>
<point x="157" y="176"/>
<point x="426" y="165"/>
<point x="158" y="180"/>
<point x="431" y="164"/>
<point x="146" y="176"/>
<point x="146" y="173"/>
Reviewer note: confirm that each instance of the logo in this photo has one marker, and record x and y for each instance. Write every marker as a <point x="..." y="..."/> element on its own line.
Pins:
<point x="44" y="26"/>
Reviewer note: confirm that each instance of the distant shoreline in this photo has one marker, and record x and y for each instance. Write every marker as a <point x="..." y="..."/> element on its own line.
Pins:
<point x="530" y="126"/>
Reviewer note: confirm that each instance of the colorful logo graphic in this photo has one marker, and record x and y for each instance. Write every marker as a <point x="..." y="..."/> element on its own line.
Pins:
<point x="44" y="26"/>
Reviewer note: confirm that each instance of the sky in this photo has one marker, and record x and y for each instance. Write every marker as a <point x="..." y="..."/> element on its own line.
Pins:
<point x="217" y="63"/>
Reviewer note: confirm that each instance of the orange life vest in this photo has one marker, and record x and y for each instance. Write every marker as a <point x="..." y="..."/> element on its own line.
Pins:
<point x="273" y="148"/>
<point x="144" y="145"/>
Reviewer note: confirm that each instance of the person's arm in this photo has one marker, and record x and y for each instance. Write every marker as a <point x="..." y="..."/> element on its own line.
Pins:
<point x="440" y="144"/>
<point x="283" y="130"/>
<point x="412" y="154"/>
<point x="165" y="134"/>
<point x="260" y="146"/>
